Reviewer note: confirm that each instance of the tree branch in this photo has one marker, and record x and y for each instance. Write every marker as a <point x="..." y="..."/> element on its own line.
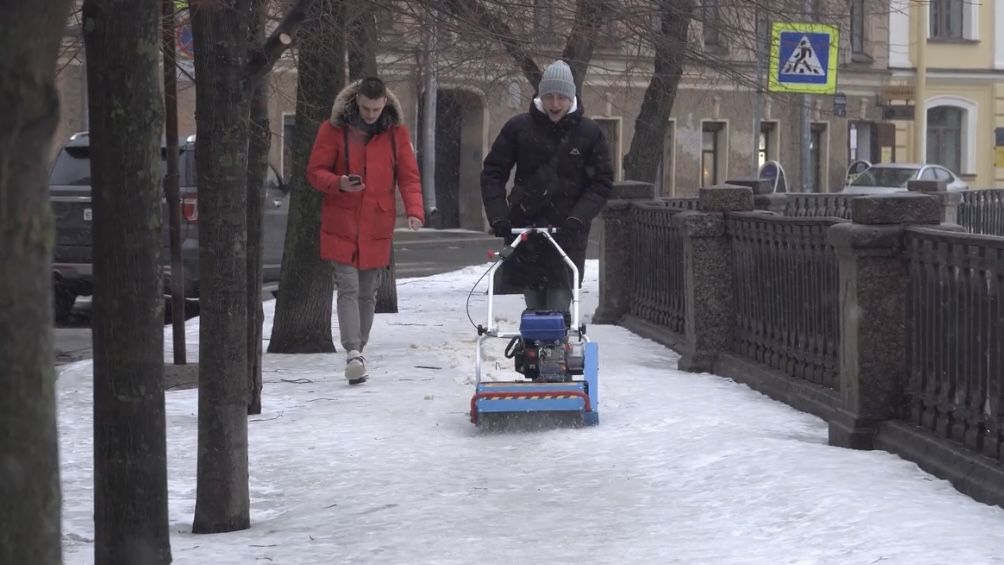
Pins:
<point x="497" y="27"/>
<point x="262" y="60"/>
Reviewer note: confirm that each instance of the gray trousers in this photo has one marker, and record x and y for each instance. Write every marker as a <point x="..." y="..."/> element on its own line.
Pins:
<point x="552" y="298"/>
<point x="356" y="304"/>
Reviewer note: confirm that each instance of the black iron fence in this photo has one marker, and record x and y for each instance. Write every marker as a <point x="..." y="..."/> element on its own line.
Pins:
<point x="941" y="404"/>
<point x="786" y="294"/>
<point x="818" y="205"/>
<point x="656" y="249"/>
<point x="956" y="328"/>
<point x="982" y="211"/>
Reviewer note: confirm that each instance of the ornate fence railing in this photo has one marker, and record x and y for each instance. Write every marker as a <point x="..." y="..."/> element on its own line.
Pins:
<point x="818" y="205"/>
<point x="956" y="328"/>
<point x="786" y="294"/>
<point x="982" y="211"/>
<point x="656" y="249"/>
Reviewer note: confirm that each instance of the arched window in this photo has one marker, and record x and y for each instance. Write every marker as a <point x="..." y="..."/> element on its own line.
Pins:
<point x="952" y="123"/>
<point x="945" y="137"/>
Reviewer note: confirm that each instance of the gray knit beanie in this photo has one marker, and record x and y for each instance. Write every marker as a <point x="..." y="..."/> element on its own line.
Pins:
<point x="557" y="79"/>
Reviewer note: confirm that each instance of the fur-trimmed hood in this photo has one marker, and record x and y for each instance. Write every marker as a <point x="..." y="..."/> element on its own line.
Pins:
<point x="344" y="110"/>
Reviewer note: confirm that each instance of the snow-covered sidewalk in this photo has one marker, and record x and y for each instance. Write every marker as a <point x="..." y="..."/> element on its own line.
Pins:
<point x="683" y="468"/>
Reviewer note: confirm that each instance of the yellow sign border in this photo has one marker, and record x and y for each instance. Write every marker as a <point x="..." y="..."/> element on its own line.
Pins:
<point x="773" y="85"/>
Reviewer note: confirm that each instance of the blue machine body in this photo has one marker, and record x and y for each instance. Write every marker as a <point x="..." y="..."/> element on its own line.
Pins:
<point x="542" y="326"/>
<point x="514" y="397"/>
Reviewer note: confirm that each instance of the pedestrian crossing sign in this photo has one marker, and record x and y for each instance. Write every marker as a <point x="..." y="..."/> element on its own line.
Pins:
<point x="803" y="58"/>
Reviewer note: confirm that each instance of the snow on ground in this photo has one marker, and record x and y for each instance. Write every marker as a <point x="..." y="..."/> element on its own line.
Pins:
<point x="683" y="468"/>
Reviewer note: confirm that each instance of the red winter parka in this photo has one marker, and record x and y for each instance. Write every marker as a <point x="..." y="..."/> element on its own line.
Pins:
<point x="357" y="227"/>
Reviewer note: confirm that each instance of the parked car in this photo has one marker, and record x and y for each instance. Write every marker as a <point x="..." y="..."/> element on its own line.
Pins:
<point x="70" y="196"/>
<point x="892" y="177"/>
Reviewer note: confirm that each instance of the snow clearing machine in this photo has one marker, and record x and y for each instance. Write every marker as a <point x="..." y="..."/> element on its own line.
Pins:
<point x="557" y="361"/>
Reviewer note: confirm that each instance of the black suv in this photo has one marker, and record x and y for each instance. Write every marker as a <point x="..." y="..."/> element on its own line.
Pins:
<point x="70" y="195"/>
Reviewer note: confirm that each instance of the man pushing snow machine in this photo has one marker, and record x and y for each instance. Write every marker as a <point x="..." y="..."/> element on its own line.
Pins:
<point x="550" y="350"/>
<point x="563" y="177"/>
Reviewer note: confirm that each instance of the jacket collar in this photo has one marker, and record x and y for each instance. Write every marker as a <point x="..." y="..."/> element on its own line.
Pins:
<point x="344" y="110"/>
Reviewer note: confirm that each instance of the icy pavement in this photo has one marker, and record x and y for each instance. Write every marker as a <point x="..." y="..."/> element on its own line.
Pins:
<point x="683" y="468"/>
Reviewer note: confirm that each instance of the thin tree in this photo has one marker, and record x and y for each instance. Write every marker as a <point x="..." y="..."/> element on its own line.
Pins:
<point x="122" y="39"/>
<point x="229" y="71"/>
<point x="258" y="146"/>
<point x="29" y="113"/>
<point x="670" y="43"/>
<point x="302" y="322"/>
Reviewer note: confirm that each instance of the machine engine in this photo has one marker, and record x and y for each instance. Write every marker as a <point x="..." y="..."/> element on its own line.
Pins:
<point x="543" y="351"/>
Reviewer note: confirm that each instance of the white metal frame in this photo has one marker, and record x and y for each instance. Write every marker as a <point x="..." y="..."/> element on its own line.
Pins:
<point x="492" y="330"/>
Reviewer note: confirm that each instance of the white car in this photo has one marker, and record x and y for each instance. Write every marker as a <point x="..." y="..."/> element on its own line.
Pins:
<point x="886" y="178"/>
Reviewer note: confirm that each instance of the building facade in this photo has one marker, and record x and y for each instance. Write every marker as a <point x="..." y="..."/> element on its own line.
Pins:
<point x="947" y="63"/>
<point x="710" y="135"/>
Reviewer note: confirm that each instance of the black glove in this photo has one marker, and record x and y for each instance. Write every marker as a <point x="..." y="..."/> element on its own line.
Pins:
<point x="502" y="228"/>
<point x="572" y="226"/>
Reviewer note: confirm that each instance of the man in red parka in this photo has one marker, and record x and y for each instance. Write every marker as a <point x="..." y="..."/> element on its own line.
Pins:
<point x="360" y="154"/>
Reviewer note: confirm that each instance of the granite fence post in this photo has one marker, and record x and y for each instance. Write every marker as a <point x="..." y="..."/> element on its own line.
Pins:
<point x="949" y="200"/>
<point x="615" y="260"/>
<point x="873" y="301"/>
<point x="708" y="275"/>
<point x="763" y="196"/>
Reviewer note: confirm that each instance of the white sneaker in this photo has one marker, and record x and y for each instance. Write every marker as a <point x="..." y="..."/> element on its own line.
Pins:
<point x="355" y="368"/>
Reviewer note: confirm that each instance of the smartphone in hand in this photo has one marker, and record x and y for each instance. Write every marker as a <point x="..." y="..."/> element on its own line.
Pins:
<point x="355" y="180"/>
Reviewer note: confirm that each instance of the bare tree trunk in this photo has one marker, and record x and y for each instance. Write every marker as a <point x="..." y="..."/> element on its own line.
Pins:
<point x="589" y="14"/>
<point x="126" y="116"/>
<point x="221" y="30"/>
<point x="257" y="169"/>
<point x="362" y="44"/>
<point x="642" y="161"/>
<point x="29" y="112"/>
<point x="229" y="73"/>
<point x="302" y="321"/>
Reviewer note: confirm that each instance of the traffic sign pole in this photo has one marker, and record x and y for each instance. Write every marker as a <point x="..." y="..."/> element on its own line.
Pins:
<point x="806" y="156"/>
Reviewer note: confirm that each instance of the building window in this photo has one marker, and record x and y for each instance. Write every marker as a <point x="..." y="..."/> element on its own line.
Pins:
<point x="948" y="19"/>
<point x="857" y="26"/>
<point x="763" y="150"/>
<point x="712" y="152"/>
<point x="767" y="143"/>
<point x="711" y="18"/>
<point x="944" y="137"/>
<point x="859" y="142"/>
<point x="543" y="16"/>
<point x="611" y="128"/>
<point x="817" y="158"/>
<point x="667" y="170"/>
<point x="386" y="18"/>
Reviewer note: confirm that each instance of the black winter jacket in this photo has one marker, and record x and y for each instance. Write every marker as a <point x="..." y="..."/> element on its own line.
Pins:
<point x="578" y="186"/>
